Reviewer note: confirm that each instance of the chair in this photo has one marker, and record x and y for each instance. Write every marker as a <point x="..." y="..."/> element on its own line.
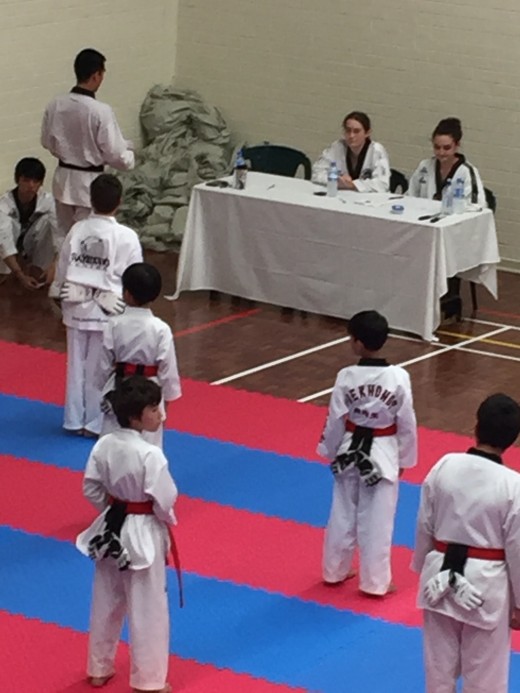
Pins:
<point x="398" y="181"/>
<point x="274" y="158"/>
<point x="491" y="201"/>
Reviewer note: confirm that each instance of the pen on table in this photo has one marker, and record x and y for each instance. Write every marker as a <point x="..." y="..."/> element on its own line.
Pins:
<point x="396" y="197"/>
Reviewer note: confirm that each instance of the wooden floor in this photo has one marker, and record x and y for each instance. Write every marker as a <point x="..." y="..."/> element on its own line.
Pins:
<point x="220" y="338"/>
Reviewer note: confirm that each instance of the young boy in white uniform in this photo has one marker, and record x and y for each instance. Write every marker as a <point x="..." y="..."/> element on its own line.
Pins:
<point x="128" y="481"/>
<point x="370" y="437"/>
<point x="28" y="233"/>
<point x="468" y="553"/>
<point x="92" y="260"/>
<point x="137" y="342"/>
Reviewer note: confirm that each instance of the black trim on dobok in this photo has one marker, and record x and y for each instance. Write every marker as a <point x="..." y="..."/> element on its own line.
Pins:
<point x="486" y="455"/>
<point x="366" y="361"/>
<point x="440" y="183"/>
<point x="355" y="171"/>
<point x="84" y="92"/>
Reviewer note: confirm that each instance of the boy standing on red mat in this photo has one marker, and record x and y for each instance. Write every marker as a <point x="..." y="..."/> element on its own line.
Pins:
<point x="127" y="479"/>
<point x="370" y="437"/>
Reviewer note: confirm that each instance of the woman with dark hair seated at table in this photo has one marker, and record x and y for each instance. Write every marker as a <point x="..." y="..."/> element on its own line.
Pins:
<point x="363" y="165"/>
<point x="447" y="164"/>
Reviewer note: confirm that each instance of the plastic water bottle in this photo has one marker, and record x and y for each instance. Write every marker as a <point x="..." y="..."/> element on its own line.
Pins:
<point x="240" y="171"/>
<point x="459" y="201"/>
<point x="332" y="180"/>
<point x="447" y="198"/>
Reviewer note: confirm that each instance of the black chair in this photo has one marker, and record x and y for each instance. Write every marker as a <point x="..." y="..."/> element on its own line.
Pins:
<point x="491" y="201"/>
<point x="274" y="158"/>
<point x="398" y="181"/>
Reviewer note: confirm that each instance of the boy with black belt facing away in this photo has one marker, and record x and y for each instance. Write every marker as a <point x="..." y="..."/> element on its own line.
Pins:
<point x="370" y="437"/>
<point x="468" y="553"/>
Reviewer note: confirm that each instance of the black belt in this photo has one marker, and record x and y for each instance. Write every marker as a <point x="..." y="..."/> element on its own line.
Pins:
<point x="92" y="169"/>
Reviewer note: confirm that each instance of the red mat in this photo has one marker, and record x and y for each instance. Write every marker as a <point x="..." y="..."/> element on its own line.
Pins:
<point x="286" y="559"/>
<point x="44" y="658"/>
<point x="222" y="413"/>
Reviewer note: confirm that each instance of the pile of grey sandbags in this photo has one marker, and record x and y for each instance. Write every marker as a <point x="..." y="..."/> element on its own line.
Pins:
<point x="185" y="142"/>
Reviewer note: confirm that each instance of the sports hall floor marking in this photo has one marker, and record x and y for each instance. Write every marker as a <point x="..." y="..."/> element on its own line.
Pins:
<point x="442" y="350"/>
<point x="493" y="354"/>
<point x="215" y="323"/>
<point x="271" y="364"/>
<point x="458" y="335"/>
<point x="488" y="322"/>
<point x="299" y="354"/>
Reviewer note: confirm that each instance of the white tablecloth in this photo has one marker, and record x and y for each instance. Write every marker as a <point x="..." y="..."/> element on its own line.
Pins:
<point x="279" y="243"/>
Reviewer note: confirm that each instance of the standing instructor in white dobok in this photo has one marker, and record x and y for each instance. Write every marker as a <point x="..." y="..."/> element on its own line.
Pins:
<point x="83" y="134"/>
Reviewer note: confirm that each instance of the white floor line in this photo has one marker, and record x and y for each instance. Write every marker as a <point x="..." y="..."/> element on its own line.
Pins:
<point x="277" y="362"/>
<point x="487" y="322"/>
<point x="299" y="354"/>
<point x="454" y="347"/>
<point x="506" y="357"/>
<point x="443" y="350"/>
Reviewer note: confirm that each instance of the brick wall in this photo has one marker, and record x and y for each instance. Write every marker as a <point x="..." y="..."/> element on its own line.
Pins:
<point x="38" y="42"/>
<point x="288" y="70"/>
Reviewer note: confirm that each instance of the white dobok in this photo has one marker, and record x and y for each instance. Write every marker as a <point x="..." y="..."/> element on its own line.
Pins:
<point x="374" y="169"/>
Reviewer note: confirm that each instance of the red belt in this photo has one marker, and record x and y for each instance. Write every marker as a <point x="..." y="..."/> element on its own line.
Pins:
<point x="137" y="369"/>
<point x="377" y="432"/>
<point x="173" y="558"/>
<point x="474" y="551"/>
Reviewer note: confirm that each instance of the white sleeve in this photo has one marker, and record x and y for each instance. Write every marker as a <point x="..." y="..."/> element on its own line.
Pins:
<point x="45" y="134"/>
<point x="414" y="185"/>
<point x="107" y="359"/>
<point x="512" y="545"/>
<point x="7" y="244"/>
<point x="93" y="487"/>
<point x="57" y="238"/>
<point x="160" y="486"/>
<point x="135" y="251"/>
<point x="472" y="179"/>
<point x="168" y="374"/>
<point x="335" y="425"/>
<point x="424" y="535"/>
<point x="406" y="427"/>
<point x="320" y="168"/>
<point x="63" y="260"/>
<point x="380" y="181"/>
<point x="112" y="143"/>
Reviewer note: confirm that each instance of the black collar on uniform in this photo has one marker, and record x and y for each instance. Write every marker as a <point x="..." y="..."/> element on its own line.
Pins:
<point x="372" y="362"/>
<point x="439" y="182"/>
<point x="83" y="92"/>
<point x="25" y="211"/>
<point x="355" y="171"/>
<point x="487" y="455"/>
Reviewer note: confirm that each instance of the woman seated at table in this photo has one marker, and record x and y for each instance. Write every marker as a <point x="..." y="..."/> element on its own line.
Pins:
<point x="447" y="164"/>
<point x="362" y="164"/>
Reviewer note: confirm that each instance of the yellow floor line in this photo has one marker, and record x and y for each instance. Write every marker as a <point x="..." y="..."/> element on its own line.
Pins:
<point x="482" y="341"/>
